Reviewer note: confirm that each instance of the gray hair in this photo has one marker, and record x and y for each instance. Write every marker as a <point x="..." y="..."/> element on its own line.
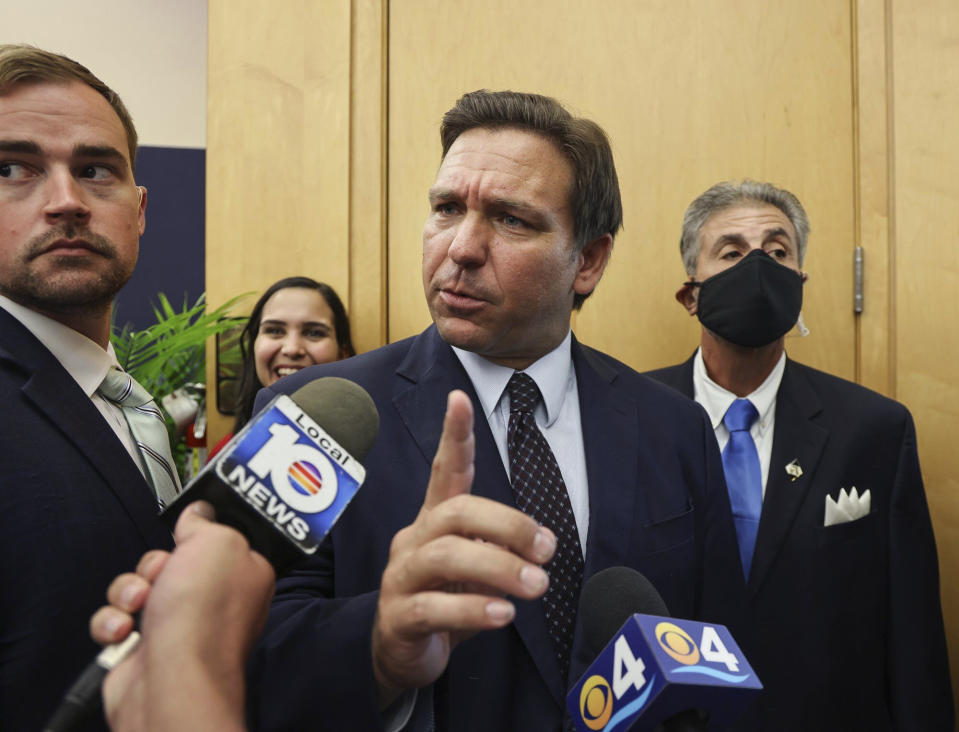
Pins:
<point x="730" y="194"/>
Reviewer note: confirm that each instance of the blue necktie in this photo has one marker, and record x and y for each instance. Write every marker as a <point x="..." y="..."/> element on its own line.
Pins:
<point x="743" y="477"/>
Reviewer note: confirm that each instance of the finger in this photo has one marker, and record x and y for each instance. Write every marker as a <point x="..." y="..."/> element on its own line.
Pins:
<point x="431" y="612"/>
<point x="455" y="559"/>
<point x="151" y="564"/>
<point x="109" y="625"/>
<point x="452" y="472"/>
<point x="128" y="592"/>
<point x="476" y="517"/>
<point x="194" y="517"/>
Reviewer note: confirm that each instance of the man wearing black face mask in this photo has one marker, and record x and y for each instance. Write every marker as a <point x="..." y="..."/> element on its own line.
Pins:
<point x="843" y="623"/>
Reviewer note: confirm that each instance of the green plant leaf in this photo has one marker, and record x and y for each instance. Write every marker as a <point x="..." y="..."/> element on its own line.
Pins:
<point x="171" y="352"/>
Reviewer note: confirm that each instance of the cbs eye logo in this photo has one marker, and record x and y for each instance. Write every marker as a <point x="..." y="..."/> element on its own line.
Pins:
<point x="677" y="643"/>
<point x="598" y="697"/>
<point x="596" y="702"/>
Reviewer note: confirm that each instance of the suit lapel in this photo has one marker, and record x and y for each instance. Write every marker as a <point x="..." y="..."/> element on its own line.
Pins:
<point x="58" y="398"/>
<point x="678" y="377"/>
<point x="610" y="434"/>
<point x="425" y="378"/>
<point x="796" y="437"/>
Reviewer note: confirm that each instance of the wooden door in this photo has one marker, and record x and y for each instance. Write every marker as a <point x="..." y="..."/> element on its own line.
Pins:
<point x="690" y="93"/>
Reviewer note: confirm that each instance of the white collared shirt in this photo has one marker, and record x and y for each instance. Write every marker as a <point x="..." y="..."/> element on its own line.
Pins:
<point x="716" y="400"/>
<point x="557" y="416"/>
<point x="85" y="361"/>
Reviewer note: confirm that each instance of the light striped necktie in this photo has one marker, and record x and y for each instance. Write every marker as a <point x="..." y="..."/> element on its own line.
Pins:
<point x="148" y="429"/>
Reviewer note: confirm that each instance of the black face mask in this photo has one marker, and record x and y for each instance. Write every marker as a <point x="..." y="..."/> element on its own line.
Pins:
<point x="752" y="303"/>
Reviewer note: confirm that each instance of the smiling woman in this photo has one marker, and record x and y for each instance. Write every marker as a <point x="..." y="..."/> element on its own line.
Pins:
<point x="297" y="322"/>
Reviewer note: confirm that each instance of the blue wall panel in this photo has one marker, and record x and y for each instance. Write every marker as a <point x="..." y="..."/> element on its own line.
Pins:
<point x="172" y="249"/>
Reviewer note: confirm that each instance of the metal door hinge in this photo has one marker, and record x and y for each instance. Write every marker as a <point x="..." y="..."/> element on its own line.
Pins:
<point x="857" y="280"/>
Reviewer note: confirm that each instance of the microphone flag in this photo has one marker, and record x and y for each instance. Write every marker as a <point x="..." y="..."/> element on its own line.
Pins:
<point x="655" y="667"/>
<point x="282" y="481"/>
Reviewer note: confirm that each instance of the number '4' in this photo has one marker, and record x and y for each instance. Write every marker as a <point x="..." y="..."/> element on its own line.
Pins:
<point x="714" y="651"/>
<point x="627" y="669"/>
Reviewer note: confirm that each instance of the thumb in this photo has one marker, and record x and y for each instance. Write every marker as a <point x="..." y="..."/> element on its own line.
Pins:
<point x="193" y="519"/>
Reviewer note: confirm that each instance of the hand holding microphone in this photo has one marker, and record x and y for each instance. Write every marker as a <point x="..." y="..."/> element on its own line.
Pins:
<point x="203" y="606"/>
<point x="281" y="482"/>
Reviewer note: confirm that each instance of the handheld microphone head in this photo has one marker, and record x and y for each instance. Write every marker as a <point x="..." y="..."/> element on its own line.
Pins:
<point x="610" y="597"/>
<point x="652" y="672"/>
<point x="347" y="410"/>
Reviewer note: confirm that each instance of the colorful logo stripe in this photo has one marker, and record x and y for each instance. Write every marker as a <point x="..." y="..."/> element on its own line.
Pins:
<point x="305" y="478"/>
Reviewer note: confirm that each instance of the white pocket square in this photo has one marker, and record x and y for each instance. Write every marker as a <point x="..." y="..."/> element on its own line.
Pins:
<point x="849" y="507"/>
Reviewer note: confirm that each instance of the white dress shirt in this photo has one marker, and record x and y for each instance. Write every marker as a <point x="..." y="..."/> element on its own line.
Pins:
<point x="716" y="400"/>
<point x="557" y="416"/>
<point x="86" y="363"/>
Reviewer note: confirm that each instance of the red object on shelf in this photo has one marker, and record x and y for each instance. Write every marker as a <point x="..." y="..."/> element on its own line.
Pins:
<point x="191" y="439"/>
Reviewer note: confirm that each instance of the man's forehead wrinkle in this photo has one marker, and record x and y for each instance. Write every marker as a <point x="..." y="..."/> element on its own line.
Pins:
<point x="529" y="179"/>
<point x="457" y="172"/>
<point x="467" y="183"/>
<point x="765" y="234"/>
<point x="88" y="117"/>
<point x="510" y="157"/>
<point x="748" y="220"/>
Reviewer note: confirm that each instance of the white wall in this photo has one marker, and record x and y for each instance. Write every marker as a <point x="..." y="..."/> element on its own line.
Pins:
<point x="151" y="52"/>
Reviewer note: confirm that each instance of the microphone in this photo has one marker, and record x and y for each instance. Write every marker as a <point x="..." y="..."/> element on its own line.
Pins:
<point x="654" y="673"/>
<point x="282" y="482"/>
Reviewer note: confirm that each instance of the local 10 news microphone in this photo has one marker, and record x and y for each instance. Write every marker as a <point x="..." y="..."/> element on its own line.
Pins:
<point x="282" y="482"/>
<point x="654" y="673"/>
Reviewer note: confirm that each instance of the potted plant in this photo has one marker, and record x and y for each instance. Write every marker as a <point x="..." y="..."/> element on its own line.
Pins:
<point x="168" y="358"/>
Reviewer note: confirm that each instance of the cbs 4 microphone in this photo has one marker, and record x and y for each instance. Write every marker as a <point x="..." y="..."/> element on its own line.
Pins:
<point x="282" y="482"/>
<point x="656" y="673"/>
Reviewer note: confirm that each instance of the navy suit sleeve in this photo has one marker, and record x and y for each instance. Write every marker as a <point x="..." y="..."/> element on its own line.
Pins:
<point x="315" y="646"/>
<point x="920" y="692"/>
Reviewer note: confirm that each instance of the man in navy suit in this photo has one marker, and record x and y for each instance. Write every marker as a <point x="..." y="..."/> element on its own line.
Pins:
<point x="429" y="603"/>
<point x="75" y="508"/>
<point x="844" y="625"/>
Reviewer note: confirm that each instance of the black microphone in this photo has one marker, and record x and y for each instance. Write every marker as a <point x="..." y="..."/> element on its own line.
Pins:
<point x="654" y="673"/>
<point x="282" y="482"/>
<point x="610" y="597"/>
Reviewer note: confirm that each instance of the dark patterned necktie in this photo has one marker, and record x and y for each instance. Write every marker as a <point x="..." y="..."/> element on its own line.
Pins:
<point x="540" y="492"/>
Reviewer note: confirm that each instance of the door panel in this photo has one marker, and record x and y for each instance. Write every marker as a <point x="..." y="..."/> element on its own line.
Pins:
<point x="742" y="89"/>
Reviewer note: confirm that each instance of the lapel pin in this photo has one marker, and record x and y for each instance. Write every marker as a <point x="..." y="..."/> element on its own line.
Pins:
<point x="793" y="470"/>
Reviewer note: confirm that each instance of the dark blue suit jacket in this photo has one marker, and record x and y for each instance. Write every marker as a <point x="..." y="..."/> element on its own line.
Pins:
<point x="74" y="512"/>
<point x="844" y="625"/>
<point x="657" y="503"/>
